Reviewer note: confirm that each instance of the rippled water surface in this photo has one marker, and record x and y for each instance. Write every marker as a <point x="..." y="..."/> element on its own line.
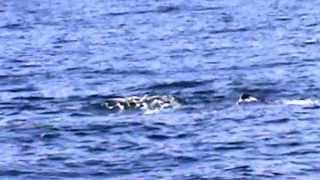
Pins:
<point x="59" y="60"/>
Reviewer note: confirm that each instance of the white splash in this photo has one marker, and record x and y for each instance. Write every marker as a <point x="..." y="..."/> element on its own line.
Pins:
<point x="148" y="104"/>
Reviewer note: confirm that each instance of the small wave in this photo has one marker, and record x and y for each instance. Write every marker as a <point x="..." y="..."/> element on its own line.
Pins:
<point x="178" y="84"/>
<point x="16" y="26"/>
<point x="161" y="9"/>
<point x="235" y="30"/>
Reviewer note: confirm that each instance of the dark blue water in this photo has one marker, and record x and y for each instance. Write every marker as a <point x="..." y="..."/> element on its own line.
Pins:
<point x="60" y="59"/>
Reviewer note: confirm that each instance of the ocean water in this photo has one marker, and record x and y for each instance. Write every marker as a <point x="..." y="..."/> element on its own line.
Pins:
<point x="59" y="60"/>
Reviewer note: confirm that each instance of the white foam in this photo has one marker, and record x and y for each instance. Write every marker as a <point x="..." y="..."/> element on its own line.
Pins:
<point x="150" y="111"/>
<point x="302" y="102"/>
